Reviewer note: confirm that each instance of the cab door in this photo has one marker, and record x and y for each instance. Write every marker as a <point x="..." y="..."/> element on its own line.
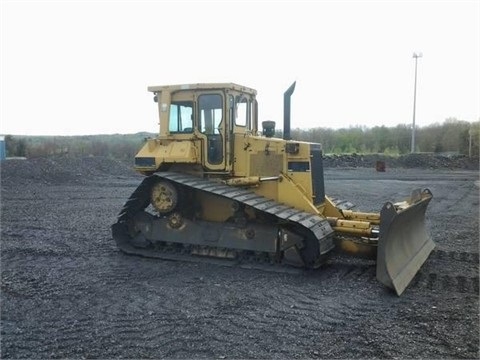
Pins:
<point x="212" y="127"/>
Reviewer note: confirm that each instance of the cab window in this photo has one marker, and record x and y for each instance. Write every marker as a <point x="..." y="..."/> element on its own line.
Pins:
<point x="243" y="111"/>
<point x="181" y="117"/>
<point x="210" y="113"/>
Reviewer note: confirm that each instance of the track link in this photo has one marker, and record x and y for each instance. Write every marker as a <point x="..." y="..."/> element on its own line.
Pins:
<point x="315" y="231"/>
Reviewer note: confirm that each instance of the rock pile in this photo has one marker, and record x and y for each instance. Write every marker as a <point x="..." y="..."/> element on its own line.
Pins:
<point x="63" y="169"/>
<point x="419" y="160"/>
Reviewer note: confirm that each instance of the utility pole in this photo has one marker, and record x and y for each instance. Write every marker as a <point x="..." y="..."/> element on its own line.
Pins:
<point x="415" y="56"/>
<point x="470" y="142"/>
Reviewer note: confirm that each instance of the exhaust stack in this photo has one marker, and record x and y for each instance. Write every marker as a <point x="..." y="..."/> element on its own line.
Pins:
<point x="286" y="111"/>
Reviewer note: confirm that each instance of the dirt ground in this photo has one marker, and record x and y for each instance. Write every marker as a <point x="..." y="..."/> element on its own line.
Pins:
<point x="67" y="292"/>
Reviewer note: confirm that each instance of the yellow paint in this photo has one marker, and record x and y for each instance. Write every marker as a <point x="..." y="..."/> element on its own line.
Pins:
<point x="291" y="194"/>
<point x="169" y="152"/>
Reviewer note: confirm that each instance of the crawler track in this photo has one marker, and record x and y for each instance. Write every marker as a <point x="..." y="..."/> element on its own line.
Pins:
<point x="315" y="231"/>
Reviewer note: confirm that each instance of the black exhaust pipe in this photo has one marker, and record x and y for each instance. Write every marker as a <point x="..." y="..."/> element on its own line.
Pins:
<point x="286" y="111"/>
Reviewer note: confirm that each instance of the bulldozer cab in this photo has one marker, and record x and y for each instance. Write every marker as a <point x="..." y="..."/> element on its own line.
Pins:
<point x="208" y="114"/>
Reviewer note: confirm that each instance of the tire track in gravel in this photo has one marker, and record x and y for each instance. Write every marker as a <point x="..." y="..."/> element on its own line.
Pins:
<point x="30" y="282"/>
<point x="464" y="256"/>
<point x="455" y="283"/>
<point x="317" y="305"/>
<point x="320" y="312"/>
<point x="447" y="270"/>
<point x="129" y="321"/>
<point x="158" y="313"/>
<point x="459" y="195"/>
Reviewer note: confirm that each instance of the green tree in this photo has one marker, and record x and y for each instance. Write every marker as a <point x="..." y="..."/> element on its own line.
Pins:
<point x="15" y="146"/>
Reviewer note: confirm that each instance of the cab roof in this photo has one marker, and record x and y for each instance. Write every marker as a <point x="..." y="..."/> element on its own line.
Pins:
<point x="202" y="86"/>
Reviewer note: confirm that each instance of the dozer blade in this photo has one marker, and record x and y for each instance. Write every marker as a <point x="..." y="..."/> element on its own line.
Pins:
<point x="404" y="244"/>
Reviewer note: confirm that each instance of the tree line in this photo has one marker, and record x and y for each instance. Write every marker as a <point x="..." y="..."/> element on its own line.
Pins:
<point x="115" y="146"/>
<point x="453" y="136"/>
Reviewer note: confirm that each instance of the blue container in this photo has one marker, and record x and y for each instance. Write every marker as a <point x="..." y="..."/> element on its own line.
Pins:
<point x="3" y="153"/>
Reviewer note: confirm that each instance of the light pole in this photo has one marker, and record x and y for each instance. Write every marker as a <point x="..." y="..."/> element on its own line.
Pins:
<point x="415" y="56"/>
<point x="470" y="132"/>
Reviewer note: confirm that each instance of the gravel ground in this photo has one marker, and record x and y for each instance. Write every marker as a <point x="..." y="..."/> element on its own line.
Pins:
<point x="67" y="292"/>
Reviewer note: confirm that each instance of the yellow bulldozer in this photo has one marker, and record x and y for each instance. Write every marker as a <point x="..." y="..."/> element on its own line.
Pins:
<point x="217" y="187"/>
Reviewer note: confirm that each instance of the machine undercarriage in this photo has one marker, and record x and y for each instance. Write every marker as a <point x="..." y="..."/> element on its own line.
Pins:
<point x="246" y="226"/>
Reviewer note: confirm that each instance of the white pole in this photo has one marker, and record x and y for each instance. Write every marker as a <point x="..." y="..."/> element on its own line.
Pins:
<point x="470" y="143"/>
<point x="415" y="56"/>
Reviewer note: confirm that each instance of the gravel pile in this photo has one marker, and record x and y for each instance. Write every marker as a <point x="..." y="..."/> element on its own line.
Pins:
<point x="60" y="170"/>
<point x="423" y="161"/>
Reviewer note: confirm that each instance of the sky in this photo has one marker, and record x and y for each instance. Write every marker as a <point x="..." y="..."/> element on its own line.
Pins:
<point x="83" y="67"/>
